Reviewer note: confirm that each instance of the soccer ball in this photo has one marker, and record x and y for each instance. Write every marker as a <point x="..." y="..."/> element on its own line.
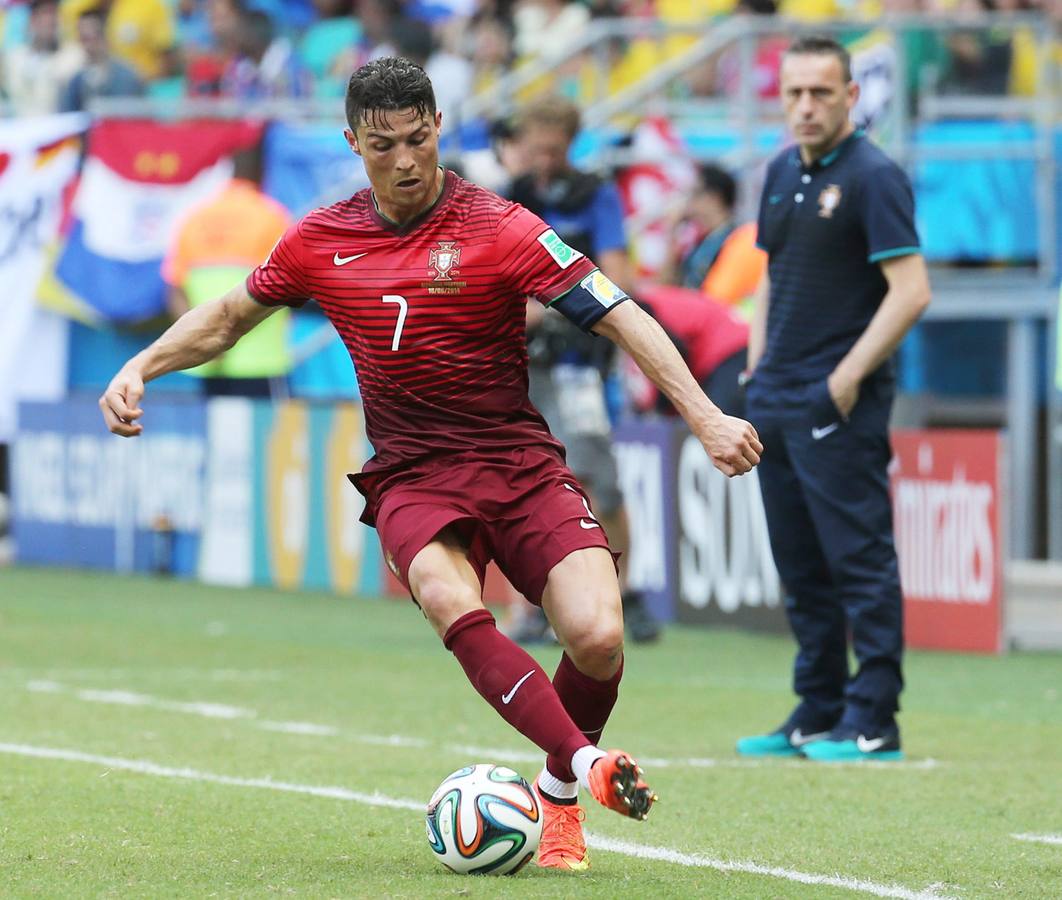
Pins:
<point x="484" y="819"/>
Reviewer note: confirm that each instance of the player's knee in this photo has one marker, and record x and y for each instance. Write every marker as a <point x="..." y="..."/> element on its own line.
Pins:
<point x="597" y="649"/>
<point x="445" y="600"/>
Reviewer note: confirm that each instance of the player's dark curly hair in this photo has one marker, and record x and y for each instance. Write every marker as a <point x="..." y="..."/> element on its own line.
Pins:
<point x="385" y="85"/>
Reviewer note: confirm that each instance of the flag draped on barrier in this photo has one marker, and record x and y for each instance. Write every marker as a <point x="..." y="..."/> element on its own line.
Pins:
<point x="139" y="178"/>
<point x="38" y="160"/>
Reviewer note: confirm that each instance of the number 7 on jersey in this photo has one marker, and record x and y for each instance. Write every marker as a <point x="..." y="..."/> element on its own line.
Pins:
<point x="402" y="308"/>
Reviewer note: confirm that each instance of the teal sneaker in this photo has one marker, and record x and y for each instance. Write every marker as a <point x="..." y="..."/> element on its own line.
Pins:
<point x="848" y="745"/>
<point x="778" y="743"/>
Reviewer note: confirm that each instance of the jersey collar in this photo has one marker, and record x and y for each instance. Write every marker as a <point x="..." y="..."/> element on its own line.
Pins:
<point x="390" y="225"/>
<point x="830" y="158"/>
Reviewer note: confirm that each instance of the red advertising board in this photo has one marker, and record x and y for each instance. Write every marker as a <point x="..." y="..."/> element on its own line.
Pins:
<point x="946" y="493"/>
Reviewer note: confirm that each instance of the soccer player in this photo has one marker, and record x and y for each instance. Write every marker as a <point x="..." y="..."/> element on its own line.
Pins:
<point x="425" y="276"/>
<point x="845" y="282"/>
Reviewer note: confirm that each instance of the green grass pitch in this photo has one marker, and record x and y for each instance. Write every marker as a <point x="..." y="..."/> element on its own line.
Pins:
<point x="135" y="682"/>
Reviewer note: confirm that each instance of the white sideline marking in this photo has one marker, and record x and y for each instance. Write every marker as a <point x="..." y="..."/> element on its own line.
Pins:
<point x="171" y="675"/>
<point x="300" y="728"/>
<point x="313" y="729"/>
<point x="148" y="768"/>
<point x="1039" y="838"/>
<point x="696" y="860"/>
<point x="131" y="698"/>
<point x="609" y="845"/>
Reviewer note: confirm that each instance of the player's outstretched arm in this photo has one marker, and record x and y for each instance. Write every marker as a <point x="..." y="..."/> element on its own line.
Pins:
<point x="732" y="443"/>
<point x="196" y="337"/>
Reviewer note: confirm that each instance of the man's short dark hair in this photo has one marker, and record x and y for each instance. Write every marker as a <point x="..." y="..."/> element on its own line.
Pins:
<point x="718" y="181"/>
<point x="93" y="14"/>
<point x="413" y="39"/>
<point x="385" y="85"/>
<point x="819" y="45"/>
<point x="258" y="30"/>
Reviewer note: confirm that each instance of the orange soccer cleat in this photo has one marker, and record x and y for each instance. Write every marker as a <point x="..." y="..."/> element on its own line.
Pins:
<point x="616" y="782"/>
<point x="562" y="845"/>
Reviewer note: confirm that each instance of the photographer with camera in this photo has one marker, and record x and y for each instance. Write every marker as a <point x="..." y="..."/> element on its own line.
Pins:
<point x="568" y="367"/>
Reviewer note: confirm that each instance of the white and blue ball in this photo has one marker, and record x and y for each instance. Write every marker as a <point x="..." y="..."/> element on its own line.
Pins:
<point x="484" y="820"/>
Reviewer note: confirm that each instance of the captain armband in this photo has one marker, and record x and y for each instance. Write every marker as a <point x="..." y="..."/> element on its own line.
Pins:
<point x="586" y="303"/>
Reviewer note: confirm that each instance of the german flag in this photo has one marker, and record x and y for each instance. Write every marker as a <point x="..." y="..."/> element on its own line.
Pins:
<point x="49" y="152"/>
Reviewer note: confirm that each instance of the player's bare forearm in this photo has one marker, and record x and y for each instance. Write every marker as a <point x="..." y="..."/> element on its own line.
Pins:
<point x="758" y="326"/>
<point x="641" y="336"/>
<point x="907" y="298"/>
<point x="196" y="337"/>
<point x="731" y="443"/>
<point x="201" y="334"/>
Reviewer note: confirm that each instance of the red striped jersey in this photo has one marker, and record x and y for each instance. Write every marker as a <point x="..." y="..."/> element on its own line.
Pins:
<point x="432" y="314"/>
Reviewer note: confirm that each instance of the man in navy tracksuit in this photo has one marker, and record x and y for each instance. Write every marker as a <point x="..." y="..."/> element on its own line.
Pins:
<point x="845" y="282"/>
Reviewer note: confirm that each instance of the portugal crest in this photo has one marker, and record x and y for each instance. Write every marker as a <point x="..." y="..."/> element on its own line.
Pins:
<point x="444" y="260"/>
<point x="829" y="200"/>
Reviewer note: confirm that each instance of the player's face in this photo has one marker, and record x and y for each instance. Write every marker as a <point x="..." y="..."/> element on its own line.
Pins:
<point x="400" y="150"/>
<point x="546" y="151"/>
<point x="817" y="101"/>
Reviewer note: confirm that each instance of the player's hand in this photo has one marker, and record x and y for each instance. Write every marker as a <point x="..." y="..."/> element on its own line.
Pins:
<point x="733" y="445"/>
<point x="120" y="403"/>
<point x="844" y="392"/>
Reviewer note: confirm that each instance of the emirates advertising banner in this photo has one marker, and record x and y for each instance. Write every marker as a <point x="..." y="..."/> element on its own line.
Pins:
<point x="946" y="501"/>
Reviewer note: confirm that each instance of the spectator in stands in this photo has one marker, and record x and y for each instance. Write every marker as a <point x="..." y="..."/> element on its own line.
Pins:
<point x="324" y="45"/>
<point x="215" y="247"/>
<point x="193" y="26"/>
<point x="205" y="68"/>
<point x="496" y="167"/>
<point x="101" y="75"/>
<point x="267" y="68"/>
<point x="288" y="16"/>
<point x="724" y="73"/>
<point x="1025" y="69"/>
<point x="606" y="9"/>
<point x="377" y="18"/>
<point x="451" y="75"/>
<point x="543" y="26"/>
<point x="980" y="58"/>
<point x="377" y="21"/>
<point x="710" y="251"/>
<point x="439" y="11"/>
<point x="35" y="73"/>
<point x="491" y="50"/>
<point x="496" y="9"/>
<point x="141" y="33"/>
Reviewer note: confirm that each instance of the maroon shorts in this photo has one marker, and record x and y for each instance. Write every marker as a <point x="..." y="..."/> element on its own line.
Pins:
<point x="522" y="508"/>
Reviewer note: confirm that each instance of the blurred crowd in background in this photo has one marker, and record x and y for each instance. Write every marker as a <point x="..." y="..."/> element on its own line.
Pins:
<point x="57" y="55"/>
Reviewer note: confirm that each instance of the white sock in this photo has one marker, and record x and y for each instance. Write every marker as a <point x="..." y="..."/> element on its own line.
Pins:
<point x="583" y="759"/>
<point x="551" y="785"/>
